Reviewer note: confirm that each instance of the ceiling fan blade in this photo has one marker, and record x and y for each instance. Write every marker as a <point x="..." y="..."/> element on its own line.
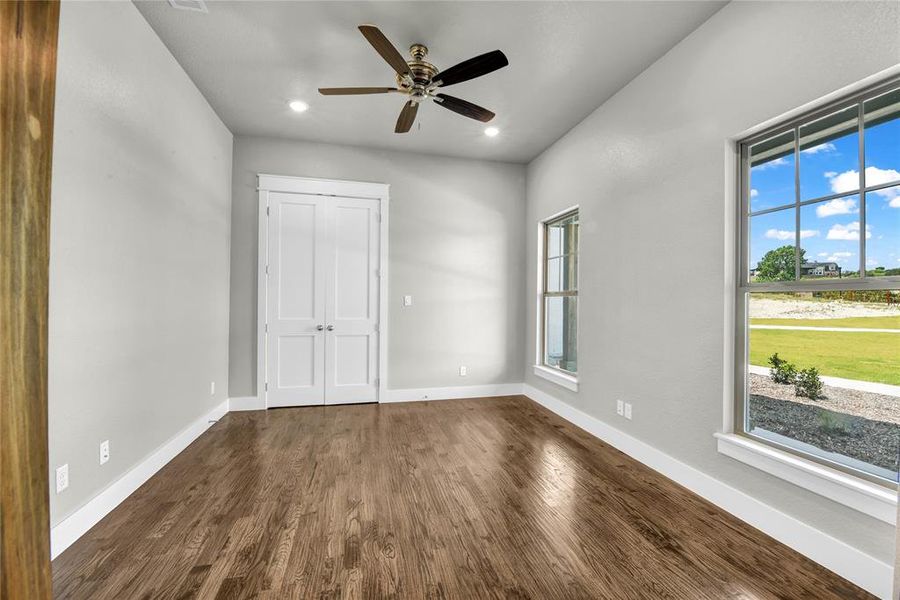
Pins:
<point x="466" y="109"/>
<point x="351" y="91"/>
<point x="407" y="116"/>
<point x="472" y="68"/>
<point x="386" y="49"/>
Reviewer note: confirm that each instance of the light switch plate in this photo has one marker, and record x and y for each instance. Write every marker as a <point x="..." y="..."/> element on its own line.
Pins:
<point x="463" y="371"/>
<point x="407" y="300"/>
<point x="620" y="407"/>
<point x="627" y="410"/>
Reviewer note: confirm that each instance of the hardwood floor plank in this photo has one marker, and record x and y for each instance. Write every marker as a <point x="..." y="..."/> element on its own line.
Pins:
<point x="481" y="498"/>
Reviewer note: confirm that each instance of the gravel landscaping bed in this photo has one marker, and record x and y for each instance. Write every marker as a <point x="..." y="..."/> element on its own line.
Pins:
<point x="874" y="442"/>
<point x="877" y="407"/>
<point x="770" y="308"/>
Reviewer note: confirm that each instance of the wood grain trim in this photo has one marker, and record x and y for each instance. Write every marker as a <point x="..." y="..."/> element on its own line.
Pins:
<point x="28" y="38"/>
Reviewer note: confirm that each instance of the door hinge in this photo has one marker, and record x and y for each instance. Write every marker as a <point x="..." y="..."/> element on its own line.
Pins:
<point x="377" y="381"/>
<point x="266" y="386"/>
<point x="267" y="211"/>
<point x="267" y="269"/>
<point x="267" y="328"/>
<point x="379" y="217"/>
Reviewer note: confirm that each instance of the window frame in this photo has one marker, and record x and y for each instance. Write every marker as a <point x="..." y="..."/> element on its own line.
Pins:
<point x="557" y="375"/>
<point x="744" y="286"/>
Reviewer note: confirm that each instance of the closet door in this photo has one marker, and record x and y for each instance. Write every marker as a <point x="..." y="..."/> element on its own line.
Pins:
<point x="296" y="294"/>
<point x="351" y="301"/>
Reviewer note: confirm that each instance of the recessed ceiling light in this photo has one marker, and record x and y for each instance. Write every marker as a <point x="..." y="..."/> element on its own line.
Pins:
<point x="298" y="106"/>
<point x="491" y="131"/>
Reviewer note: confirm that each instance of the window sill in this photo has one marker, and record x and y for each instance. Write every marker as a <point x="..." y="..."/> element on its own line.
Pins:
<point x="570" y="382"/>
<point x="870" y="498"/>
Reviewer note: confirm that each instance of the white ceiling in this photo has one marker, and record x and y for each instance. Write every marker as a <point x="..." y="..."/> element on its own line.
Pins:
<point x="566" y="58"/>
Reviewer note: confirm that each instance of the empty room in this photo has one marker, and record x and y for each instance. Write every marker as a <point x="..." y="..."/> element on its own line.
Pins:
<point x="410" y="299"/>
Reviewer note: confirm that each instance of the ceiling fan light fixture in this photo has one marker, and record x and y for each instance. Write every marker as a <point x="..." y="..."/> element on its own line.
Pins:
<point x="298" y="106"/>
<point x="420" y="80"/>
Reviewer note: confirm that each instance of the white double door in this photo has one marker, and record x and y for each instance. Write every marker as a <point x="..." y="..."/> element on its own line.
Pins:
<point x="322" y="300"/>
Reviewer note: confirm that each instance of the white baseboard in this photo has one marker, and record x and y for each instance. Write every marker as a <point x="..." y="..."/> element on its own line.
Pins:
<point x="246" y="403"/>
<point x="449" y="393"/>
<point x="850" y="563"/>
<point x="78" y="523"/>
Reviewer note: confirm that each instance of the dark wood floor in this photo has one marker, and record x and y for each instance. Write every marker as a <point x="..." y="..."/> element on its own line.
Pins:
<point x="483" y="498"/>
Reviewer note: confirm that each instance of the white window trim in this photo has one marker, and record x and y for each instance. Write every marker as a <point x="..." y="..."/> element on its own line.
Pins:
<point x="875" y="500"/>
<point x="557" y="376"/>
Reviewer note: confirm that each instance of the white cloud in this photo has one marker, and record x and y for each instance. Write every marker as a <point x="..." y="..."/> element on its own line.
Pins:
<point x="782" y="234"/>
<point x="826" y="147"/>
<point x="847" y="232"/>
<point x="838" y="206"/>
<point x="838" y="256"/>
<point x="849" y="181"/>
<point x="772" y="163"/>
<point x="754" y="192"/>
<point x="895" y="202"/>
<point x="872" y="262"/>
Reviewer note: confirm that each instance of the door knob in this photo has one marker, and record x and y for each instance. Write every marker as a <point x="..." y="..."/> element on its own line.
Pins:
<point x="320" y="327"/>
<point x="330" y="328"/>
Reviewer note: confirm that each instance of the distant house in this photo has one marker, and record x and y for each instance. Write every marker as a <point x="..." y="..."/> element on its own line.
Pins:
<point x="820" y="269"/>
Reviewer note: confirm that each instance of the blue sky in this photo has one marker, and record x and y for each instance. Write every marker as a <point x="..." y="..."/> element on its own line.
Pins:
<point x="830" y="230"/>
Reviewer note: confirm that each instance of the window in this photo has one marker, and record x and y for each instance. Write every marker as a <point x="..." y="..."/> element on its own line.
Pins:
<point x="818" y="293"/>
<point x="559" y="296"/>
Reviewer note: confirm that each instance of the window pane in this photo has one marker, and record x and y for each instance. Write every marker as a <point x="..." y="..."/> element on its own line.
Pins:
<point x="772" y="246"/>
<point x="829" y="155"/>
<point x="883" y="232"/>
<point x="883" y="138"/>
<point x="772" y="172"/>
<point x="562" y="236"/>
<point x="829" y="239"/>
<point x="560" y="332"/>
<point x="562" y="273"/>
<point x="856" y="419"/>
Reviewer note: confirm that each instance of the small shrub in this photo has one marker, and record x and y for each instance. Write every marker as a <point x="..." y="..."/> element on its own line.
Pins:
<point x="808" y="384"/>
<point x="782" y="371"/>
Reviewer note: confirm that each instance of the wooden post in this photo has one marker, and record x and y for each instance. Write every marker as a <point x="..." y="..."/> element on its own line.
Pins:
<point x="28" y="35"/>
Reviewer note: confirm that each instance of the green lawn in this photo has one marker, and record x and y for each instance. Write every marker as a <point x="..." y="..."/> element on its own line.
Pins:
<point x="862" y="356"/>
<point x="865" y="322"/>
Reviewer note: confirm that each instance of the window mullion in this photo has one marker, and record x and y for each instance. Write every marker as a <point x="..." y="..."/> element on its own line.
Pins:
<point x="862" y="193"/>
<point x="797" y="203"/>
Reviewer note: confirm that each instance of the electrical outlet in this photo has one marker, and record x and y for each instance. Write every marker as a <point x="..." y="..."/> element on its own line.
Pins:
<point x="407" y="300"/>
<point x="463" y="371"/>
<point x="62" y="478"/>
<point x="620" y="407"/>
<point x="628" y="410"/>
<point x="212" y="388"/>
<point x="104" y="452"/>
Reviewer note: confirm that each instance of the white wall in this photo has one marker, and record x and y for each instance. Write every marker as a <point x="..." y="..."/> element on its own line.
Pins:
<point x="456" y="246"/>
<point x="650" y="171"/>
<point x="139" y="239"/>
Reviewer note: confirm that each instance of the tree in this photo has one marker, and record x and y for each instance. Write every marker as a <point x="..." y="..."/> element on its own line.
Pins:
<point x="778" y="264"/>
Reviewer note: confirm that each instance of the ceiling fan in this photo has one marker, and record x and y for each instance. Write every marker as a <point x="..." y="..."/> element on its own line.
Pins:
<point x="421" y="80"/>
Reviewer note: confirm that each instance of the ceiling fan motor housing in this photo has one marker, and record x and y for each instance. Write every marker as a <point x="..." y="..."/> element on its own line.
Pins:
<point x="422" y="73"/>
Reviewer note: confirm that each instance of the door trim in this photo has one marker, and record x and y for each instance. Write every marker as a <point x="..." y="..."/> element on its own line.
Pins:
<point x="267" y="183"/>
